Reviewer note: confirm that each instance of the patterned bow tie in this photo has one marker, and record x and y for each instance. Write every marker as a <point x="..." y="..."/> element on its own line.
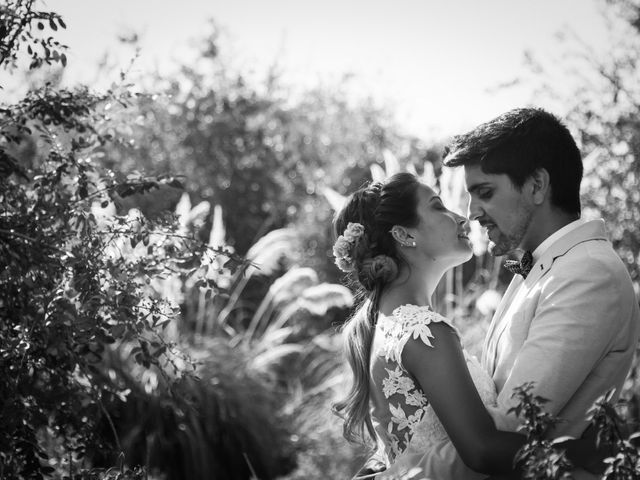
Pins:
<point x="522" y="267"/>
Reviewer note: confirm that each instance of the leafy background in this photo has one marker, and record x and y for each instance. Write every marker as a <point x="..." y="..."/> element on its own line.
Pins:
<point x="168" y="303"/>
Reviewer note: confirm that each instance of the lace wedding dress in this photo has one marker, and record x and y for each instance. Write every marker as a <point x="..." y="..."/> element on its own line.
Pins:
<point x="405" y="423"/>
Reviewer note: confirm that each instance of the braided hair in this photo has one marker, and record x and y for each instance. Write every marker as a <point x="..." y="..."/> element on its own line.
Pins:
<point x="374" y="260"/>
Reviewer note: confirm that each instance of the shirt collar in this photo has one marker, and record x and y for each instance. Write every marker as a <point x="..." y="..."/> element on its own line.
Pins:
<point x="557" y="235"/>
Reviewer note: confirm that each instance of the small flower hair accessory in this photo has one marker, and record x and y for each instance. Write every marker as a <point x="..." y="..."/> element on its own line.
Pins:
<point x="344" y="247"/>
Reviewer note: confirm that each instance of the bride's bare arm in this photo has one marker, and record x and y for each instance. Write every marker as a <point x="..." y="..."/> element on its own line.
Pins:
<point x="442" y="373"/>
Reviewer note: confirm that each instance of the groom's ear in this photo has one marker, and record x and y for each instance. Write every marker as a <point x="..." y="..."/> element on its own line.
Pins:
<point x="540" y="185"/>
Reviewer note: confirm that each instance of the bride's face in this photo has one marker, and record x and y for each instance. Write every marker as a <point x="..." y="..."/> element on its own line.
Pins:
<point x="441" y="234"/>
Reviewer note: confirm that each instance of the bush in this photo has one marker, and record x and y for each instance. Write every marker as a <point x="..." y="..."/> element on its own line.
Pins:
<point x="67" y="291"/>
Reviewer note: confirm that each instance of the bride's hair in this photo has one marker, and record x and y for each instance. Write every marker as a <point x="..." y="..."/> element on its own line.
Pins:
<point x="375" y="259"/>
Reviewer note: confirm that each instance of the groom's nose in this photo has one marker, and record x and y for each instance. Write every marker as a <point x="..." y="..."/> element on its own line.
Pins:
<point x="474" y="211"/>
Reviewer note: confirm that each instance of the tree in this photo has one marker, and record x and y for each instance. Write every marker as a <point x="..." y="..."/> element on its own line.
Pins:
<point x="74" y="280"/>
<point x="259" y="149"/>
<point x="603" y="108"/>
<point x="17" y="21"/>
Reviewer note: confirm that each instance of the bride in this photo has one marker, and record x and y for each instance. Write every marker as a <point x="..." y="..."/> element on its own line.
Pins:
<point x="414" y="386"/>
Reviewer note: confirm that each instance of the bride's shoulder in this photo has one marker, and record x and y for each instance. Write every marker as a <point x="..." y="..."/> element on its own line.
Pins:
<point x="408" y="322"/>
<point x="410" y="315"/>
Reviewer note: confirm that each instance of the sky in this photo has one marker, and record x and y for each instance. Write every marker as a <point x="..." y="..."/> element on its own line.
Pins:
<point x="435" y="63"/>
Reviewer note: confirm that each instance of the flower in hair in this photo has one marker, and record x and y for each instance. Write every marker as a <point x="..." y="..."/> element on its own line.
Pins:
<point x="344" y="247"/>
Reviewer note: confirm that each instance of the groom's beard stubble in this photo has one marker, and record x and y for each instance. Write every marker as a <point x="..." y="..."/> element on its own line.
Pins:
<point x="504" y="243"/>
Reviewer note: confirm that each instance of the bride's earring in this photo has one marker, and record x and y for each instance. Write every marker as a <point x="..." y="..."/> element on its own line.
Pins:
<point x="401" y="236"/>
<point x="410" y="243"/>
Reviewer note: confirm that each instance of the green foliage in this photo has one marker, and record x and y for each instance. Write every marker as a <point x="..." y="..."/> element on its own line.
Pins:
<point x="542" y="458"/>
<point x="85" y="280"/>
<point x="624" y="461"/>
<point x="538" y="458"/>
<point x="17" y="22"/>
<point x="273" y="353"/>
<point x="260" y="150"/>
<point x="74" y="282"/>
<point x="67" y="291"/>
<point x="220" y="424"/>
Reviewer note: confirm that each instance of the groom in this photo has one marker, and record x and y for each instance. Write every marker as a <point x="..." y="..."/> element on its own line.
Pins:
<point x="569" y="320"/>
<point x="571" y="323"/>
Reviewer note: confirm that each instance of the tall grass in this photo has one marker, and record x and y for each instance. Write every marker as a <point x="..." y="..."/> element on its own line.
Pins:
<point x="262" y="363"/>
<point x="224" y="425"/>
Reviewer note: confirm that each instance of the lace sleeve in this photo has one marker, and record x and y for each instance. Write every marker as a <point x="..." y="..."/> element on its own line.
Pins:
<point x="409" y="321"/>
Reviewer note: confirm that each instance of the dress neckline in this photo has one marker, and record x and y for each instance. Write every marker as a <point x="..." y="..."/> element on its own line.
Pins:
<point x="411" y="306"/>
<point x="408" y="305"/>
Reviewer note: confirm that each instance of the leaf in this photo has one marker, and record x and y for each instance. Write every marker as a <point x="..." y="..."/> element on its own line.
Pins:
<point x="163" y="323"/>
<point x="175" y="183"/>
<point x="609" y="395"/>
<point x="562" y="439"/>
<point x="53" y="25"/>
<point x="635" y="435"/>
<point x="118" y="330"/>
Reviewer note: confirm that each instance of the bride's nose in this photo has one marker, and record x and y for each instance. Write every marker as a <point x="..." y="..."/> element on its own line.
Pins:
<point x="461" y="220"/>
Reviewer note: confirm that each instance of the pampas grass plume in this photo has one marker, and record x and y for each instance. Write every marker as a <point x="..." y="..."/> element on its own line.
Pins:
<point x="318" y="299"/>
<point x="267" y="252"/>
<point x="292" y="284"/>
<point x="218" y="233"/>
<point x="391" y="163"/>
<point x="335" y="199"/>
<point x="377" y="173"/>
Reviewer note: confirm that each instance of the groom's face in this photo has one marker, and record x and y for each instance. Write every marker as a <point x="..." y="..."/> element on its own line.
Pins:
<point x="500" y="207"/>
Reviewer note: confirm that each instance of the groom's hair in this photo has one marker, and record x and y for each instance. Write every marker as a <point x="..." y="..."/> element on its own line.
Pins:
<point x="519" y="142"/>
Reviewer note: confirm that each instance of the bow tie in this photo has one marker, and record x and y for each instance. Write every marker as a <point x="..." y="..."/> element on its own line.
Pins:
<point x="522" y="267"/>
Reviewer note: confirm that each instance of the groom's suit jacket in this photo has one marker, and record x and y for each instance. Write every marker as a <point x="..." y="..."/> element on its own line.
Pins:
<point x="571" y="327"/>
